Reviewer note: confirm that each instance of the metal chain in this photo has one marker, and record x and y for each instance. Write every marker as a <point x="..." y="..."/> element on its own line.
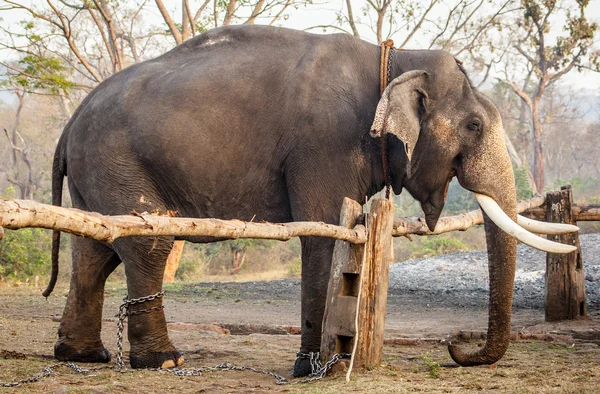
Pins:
<point x="221" y="367"/>
<point x="123" y="313"/>
<point x="49" y="370"/>
<point x="389" y="65"/>
<point x="318" y="371"/>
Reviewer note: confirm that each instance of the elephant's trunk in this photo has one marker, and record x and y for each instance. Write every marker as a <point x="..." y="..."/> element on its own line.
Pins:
<point x="502" y="257"/>
<point x="491" y="174"/>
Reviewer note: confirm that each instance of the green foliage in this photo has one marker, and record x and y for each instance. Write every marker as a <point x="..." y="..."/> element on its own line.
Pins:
<point x="459" y="199"/>
<point x="436" y="245"/>
<point x="36" y="71"/>
<point x="433" y="367"/>
<point x="43" y="73"/>
<point x="580" y="185"/>
<point x="192" y="264"/>
<point x="524" y="190"/>
<point x="25" y="253"/>
<point x="295" y="268"/>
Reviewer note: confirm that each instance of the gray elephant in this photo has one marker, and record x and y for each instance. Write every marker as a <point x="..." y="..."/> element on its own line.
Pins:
<point x="274" y="124"/>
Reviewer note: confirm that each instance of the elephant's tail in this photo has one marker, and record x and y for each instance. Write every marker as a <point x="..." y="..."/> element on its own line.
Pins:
<point x="59" y="170"/>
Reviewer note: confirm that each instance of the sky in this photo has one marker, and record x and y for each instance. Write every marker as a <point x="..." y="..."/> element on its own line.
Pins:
<point x="325" y="14"/>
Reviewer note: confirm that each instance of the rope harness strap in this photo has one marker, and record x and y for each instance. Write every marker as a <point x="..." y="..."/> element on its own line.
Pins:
<point x="385" y="70"/>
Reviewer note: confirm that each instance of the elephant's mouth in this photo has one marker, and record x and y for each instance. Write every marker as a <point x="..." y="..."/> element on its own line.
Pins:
<point x="434" y="204"/>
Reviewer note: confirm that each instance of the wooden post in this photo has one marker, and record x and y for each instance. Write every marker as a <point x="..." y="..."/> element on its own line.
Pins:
<point x="374" y="284"/>
<point x="358" y="284"/>
<point x="342" y="294"/>
<point x="565" y="277"/>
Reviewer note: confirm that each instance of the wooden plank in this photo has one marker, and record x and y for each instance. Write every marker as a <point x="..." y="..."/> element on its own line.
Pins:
<point x="565" y="277"/>
<point x="340" y="306"/>
<point x="374" y="284"/>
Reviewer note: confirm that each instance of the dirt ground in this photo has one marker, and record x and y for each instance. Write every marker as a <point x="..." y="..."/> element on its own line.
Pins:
<point x="201" y="314"/>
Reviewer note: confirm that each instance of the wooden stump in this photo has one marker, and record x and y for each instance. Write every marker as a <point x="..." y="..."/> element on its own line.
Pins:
<point x="565" y="277"/>
<point x="359" y="284"/>
<point x="173" y="262"/>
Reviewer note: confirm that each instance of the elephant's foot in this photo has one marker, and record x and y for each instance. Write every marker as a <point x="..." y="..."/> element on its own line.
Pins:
<point x="165" y="360"/>
<point x="66" y="352"/>
<point x="302" y="367"/>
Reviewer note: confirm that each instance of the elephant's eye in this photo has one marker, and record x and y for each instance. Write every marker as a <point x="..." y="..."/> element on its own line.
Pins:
<point x="474" y="125"/>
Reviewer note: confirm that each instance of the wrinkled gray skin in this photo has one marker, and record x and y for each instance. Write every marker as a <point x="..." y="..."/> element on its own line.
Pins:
<point x="271" y="124"/>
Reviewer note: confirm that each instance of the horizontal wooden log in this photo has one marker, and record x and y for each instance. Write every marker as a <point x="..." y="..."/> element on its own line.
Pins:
<point x="17" y="214"/>
<point x="581" y="213"/>
<point x="462" y="222"/>
<point x="25" y="213"/>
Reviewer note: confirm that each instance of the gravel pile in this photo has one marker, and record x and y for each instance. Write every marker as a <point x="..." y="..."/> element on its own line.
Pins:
<point x="462" y="278"/>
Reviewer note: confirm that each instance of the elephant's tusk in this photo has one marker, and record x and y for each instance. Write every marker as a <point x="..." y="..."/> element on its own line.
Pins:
<point x="538" y="227"/>
<point x="502" y="220"/>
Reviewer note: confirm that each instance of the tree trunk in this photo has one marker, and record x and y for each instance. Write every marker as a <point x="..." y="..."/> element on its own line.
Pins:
<point x="238" y="256"/>
<point x="173" y="262"/>
<point x="538" y="150"/>
<point x="21" y="97"/>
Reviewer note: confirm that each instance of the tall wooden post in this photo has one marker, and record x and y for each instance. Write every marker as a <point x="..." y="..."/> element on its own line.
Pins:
<point x="358" y="285"/>
<point x="374" y="284"/>
<point x="565" y="277"/>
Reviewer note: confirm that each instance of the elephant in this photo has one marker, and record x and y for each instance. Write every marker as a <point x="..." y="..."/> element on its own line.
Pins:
<point x="274" y="124"/>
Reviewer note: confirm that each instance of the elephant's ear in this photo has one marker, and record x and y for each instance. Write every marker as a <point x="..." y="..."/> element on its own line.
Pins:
<point x="400" y="109"/>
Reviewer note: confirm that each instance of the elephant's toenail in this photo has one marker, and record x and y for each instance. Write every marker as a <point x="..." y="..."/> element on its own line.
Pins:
<point x="180" y="361"/>
<point x="168" y="364"/>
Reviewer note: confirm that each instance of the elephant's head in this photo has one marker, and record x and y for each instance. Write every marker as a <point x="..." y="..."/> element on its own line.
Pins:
<point x="437" y="126"/>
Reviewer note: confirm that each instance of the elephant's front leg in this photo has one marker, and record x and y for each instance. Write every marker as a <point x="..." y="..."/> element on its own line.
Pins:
<point x="316" y="266"/>
<point x="145" y="259"/>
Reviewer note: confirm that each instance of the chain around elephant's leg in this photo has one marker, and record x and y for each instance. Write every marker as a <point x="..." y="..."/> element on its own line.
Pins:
<point x="145" y="260"/>
<point x="316" y="264"/>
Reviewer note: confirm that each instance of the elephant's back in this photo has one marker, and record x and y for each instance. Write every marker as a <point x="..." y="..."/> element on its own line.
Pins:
<point x="234" y="74"/>
<point x="228" y="105"/>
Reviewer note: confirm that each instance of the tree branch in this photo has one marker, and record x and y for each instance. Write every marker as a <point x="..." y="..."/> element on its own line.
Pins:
<point x="169" y="21"/>
<point x="418" y="25"/>
<point x="351" y="19"/>
<point x="519" y="92"/>
<point x="255" y="12"/>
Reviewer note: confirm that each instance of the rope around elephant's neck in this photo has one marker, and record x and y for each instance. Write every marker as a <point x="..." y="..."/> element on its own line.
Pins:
<point x="385" y="70"/>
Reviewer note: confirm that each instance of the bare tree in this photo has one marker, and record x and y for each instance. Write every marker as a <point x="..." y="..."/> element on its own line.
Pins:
<point x="93" y="38"/>
<point x="207" y="15"/>
<point x="548" y="61"/>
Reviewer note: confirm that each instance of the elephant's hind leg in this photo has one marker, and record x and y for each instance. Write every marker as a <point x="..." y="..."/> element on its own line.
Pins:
<point x="79" y="331"/>
<point x="145" y="259"/>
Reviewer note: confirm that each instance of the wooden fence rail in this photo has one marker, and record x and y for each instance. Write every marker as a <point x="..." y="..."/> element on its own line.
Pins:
<point x="15" y="214"/>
